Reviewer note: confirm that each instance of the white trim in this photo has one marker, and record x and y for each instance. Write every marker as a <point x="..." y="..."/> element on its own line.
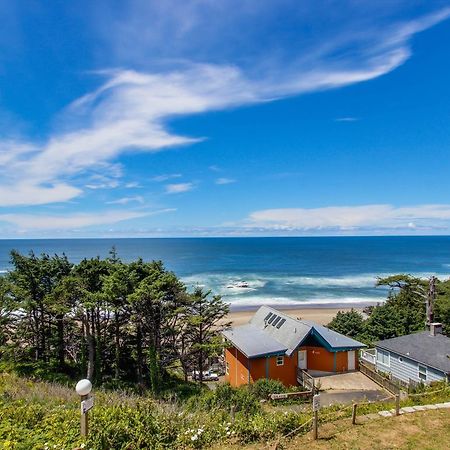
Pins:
<point x="280" y="362"/>
<point x="421" y="373"/>
<point x="381" y="351"/>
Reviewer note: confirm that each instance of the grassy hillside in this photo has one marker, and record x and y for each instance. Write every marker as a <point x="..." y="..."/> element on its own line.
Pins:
<point x="427" y="430"/>
<point x="42" y="416"/>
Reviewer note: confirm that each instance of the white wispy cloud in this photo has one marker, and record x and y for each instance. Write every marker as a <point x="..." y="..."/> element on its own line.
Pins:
<point x="178" y="188"/>
<point x="225" y="181"/>
<point x="165" y="177"/>
<point x="130" y="109"/>
<point x="68" y="221"/>
<point x="132" y="185"/>
<point x="126" y="200"/>
<point x="346" y="119"/>
<point x="347" y="218"/>
<point x="31" y="222"/>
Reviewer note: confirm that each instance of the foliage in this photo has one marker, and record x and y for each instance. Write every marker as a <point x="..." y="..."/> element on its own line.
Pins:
<point x="113" y="322"/>
<point x="40" y="415"/>
<point x="262" y="388"/>
<point x="350" y="323"/>
<point x="402" y="313"/>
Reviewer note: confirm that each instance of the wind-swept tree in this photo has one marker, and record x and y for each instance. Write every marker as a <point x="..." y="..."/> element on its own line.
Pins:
<point x="206" y="312"/>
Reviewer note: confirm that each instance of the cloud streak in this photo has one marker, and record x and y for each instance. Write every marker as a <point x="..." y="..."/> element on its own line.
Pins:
<point x="130" y="110"/>
<point x="178" y="188"/>
<point x="31" y="222"/>
<point x="352" y="218"/>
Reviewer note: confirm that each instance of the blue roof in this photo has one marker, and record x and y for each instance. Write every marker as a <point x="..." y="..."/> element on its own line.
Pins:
<point x="273" y="332"/>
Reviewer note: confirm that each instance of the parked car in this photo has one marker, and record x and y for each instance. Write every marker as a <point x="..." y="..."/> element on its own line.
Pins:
<point x="208" y="375"/>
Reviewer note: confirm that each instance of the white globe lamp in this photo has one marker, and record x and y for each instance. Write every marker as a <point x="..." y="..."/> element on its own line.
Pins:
<point x="83" y="387"/>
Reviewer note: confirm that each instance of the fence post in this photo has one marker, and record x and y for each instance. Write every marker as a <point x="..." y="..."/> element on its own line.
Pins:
<point x="397" y="405"/>
<point x="232" y="412"/>
<point x="316" y="425"/>
<point x="355" y="405"/>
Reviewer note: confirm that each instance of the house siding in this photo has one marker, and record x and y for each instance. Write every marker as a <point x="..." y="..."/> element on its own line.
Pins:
<point x="242" y="370"/>
<point x="406" y="369"/>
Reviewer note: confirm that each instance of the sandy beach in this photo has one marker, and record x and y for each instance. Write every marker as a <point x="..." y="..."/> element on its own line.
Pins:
<point x="319" y="315"/>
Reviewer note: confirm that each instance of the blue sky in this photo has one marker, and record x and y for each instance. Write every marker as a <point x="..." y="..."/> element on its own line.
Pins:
<point x="224" y="118"/>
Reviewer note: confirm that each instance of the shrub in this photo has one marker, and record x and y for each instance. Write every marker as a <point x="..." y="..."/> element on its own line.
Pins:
<point x="262" y="388"/>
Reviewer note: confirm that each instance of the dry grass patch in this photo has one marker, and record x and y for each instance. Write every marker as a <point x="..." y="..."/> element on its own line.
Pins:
<point x="427" y="430"/>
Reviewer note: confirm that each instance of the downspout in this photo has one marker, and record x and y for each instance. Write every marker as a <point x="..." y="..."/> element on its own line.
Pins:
<point x="249" y="364"/>
<point x="334" y="362"/>
<point x="267" y="367"/>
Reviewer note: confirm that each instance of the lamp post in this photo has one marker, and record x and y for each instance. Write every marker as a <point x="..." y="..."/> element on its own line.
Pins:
<point x="83" y="389"/>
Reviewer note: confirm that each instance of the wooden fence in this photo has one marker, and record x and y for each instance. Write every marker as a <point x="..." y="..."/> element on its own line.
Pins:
<point x="379" y="379"/>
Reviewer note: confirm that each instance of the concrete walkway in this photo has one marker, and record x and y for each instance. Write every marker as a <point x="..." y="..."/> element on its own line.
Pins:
<point x="353" y="381"/>
<point x="413" y="409"/>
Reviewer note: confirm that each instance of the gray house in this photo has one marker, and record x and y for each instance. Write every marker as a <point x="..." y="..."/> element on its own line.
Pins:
<point x="419" y="357"/>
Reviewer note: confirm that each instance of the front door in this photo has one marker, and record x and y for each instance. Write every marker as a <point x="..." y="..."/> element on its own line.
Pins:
<point x="351" y="360"/>
<point x="302" y="359"/>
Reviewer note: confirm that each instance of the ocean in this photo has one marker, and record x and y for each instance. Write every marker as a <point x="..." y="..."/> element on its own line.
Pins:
<point x="246" y="272"/>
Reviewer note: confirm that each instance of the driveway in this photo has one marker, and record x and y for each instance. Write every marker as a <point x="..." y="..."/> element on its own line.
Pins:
<point x="355" y="381"/>
<point x="349" y="387"/>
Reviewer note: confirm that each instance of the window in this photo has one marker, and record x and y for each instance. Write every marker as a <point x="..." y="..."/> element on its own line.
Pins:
<point x="276" y="321"/>
<point x="422" y="372"/>
<point x="273" y="317"/>
<point x="267" y="317"/>
<point x="383" y="357"/>
<point x="280" y="360"/>
<point x="227" y="368"/>
<point x="281" y="323"/>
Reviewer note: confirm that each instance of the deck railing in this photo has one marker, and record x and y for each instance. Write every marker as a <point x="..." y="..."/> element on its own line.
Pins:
<point x="305" y="379"/>
<point x="379" y="379"/>
<point x="368" y="356"/>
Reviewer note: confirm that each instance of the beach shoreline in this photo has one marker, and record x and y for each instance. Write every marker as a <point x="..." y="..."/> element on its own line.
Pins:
<point x="319" y="313"/>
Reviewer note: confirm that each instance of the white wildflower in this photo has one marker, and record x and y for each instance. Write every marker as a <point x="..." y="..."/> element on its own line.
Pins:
<point x="228" y="433"/>
<point x="194" y="437"/>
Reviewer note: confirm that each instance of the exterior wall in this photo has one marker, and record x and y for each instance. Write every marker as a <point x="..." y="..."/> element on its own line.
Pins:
<point x="406" y="369"/>
<point x="319" y="358"/>
<point x="287" y="373"/>
<point x="241" y="370"/>
<point x="238" y="367"/>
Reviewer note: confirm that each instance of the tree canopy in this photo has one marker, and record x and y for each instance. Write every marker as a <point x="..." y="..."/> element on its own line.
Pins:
<point x="107" y="320"/>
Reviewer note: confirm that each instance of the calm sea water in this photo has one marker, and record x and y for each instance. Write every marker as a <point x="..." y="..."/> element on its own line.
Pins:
<point x="288" y="271"/>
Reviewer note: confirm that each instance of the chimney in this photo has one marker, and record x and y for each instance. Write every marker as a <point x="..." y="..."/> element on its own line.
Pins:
<point x="435" y="328"/>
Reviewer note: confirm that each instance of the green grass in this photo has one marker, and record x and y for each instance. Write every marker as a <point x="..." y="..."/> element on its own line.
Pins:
<point x="45" y="415"/>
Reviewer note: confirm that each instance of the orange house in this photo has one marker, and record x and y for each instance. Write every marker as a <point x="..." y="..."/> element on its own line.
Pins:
<point x="276" y="346"/>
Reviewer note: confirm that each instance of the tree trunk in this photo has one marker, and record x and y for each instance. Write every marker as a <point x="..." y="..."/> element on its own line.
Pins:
<point x="117" y="344"/>
<point x="61" y="353"/>
<point x="91" y="348"/>
<point x="139" y="354"/>
<point x="98" y="348"/>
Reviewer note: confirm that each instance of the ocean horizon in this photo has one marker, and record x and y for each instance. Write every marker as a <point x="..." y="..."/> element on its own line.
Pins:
<point x="279" y="271"/>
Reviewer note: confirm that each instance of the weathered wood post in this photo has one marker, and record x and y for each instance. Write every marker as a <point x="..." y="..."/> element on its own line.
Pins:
<point x="316" y="406"/>
<point x="397" y="405"/>
<point x="83" y="389"/>
<point x="355" y="405"/>
<point x="84" y="427"/>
